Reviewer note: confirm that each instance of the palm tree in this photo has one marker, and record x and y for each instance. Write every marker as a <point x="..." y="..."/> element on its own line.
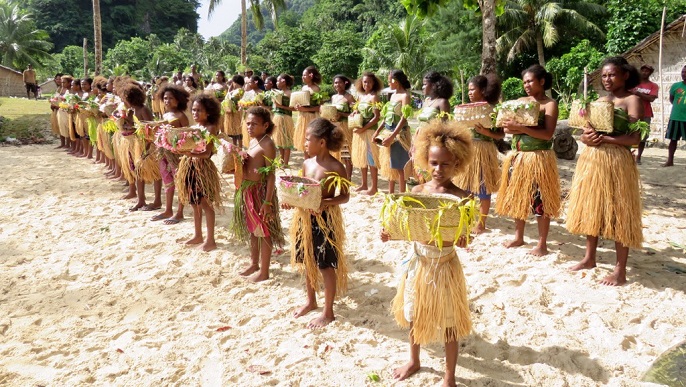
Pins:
<point x="255" y="5"/>
<point x="488" y="44"/>
<point x="97" y="40"/>
<point x="21" y="42"/>
<point x="537" y="23"/>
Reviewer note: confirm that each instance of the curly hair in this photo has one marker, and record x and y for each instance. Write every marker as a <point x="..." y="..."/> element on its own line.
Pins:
<point x="346" y="80"/>
<point x="489" y="85"/>
<point x="180" y="95"/>
<point x="400" y="76"/>
<point x="316" y="76"/>
<point x="634" y="77"/>
<point x="100" y="83"/>
<point x="446" y="134"/>
<point x="264" y="114"/>
<point x="539" y="73"/>
<point x="332" y="134"/>
<point x="132" y="93"/>
<point x="442" y="87"/>
<point x="287" y="78"/>
<point x="238" y="79"/>
<point x="211" y="105"/>
<point x="377" y="83"/>
<point x="270" y="80"/>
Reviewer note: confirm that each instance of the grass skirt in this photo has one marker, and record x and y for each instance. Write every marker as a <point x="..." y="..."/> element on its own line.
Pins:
<point x="125" y="148"/>
<point x="54" y="123"/>
<point x="304" y="119"/>
<point x="147" y="166"/>
<point x="63" y="122"/>
<point x="385" y="170"/>
<point x="364" y="149"/>
<point x="249" y="195"/>
<point x="244" y="131"/>
<point x="605" y="198"/>
<point x="283" y="131"/>
<point x="232" y="123"/>
<point x="199" y="178"/>
<point x="483" y="170"/>
<point x="80" y="124"/>
<point x="531" y="171"/>
<point x="301" y="235"/>
<point x="432" y="294"/>
<point x="72" y="126"/>
<point x="105" y="142"/>
<point x="344" y="153"/>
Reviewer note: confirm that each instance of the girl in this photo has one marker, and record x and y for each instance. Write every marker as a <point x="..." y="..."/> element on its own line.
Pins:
<point x="364" y="153"/>
<point x="483" y="175"/>
<point x="63" y="114"/>
<point x="232" y="117"/>
<point x="198" y="178"/>
<point x="253" y="96"/>
<point x="529" y="181"/>
<point x="318" y="238"/>
<point x="344" y="101"/>
<point x="256" y="212"/>
<point x="90" y="135"/>
<point x="189" y="85"/>
<point x="395" y="147"/>
<point x="270" y="83"/>
<point x="100" y="90"/>
<point x="432" y="294"/>
<point x="76" y="129"/>
<point x="311" y="79"/>
<point x="283" y="120"/>
<point x="175" y="102"/>
<point x="605" y="197"/>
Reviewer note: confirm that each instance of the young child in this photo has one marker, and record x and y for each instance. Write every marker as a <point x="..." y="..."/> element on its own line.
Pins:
<point x="318" y="237"/>
<point x="432" y="294"/>
<point x="605" y="197"/>
<point x="175" y="101"/>
<point x="197" y="177"/>
<point x="256" y="211"/>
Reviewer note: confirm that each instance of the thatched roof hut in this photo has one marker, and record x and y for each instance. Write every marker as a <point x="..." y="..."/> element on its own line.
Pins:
<point x="11" y="83"/>
<point x="673" y="59"/>
<point x="48" y="87"/>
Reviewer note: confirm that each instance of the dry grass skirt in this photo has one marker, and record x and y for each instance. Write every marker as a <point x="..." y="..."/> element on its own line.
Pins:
<point x="148" y="165"/>
<point x="54" y="123"/>
<point x="363" y="148"/>
<point x="232" y="123"/>
<point x="605" y="198"/>
<point x="433" y="294"/>
<point x="301" y="236"/>
<point x="284" y="129"/>
<point x="198" y="177"/>
<point x="483" y="170"/>
<point x="304" y="119"/>
<point x="531" y="171"/>
<point x="63" y="122"/>
<point x="385" y="170"/>
<point x="125" y="148"/>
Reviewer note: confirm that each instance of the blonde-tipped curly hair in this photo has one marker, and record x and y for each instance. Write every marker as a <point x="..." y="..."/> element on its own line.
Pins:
<point x="447" y="134"/>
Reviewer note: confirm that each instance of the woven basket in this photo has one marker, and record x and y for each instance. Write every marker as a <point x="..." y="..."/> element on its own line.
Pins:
<point x="301" y="192"/>
<point x="148" y="129"/>
<point x="471" y="114"/>
<point x="521" y="112"/>
<point x="411" y="221"/>
<point x="301" y="98"/>
<point x="378" y="140"/>
<point x="227" y="156"/>
<point x="168" y="136"/>
<point x="329" y="112"/>
<point x="355" y="121"/>
<point x="600" y="114"/>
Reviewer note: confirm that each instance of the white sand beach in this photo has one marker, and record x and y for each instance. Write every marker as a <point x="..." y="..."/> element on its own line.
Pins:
<point x="92" y="294"/>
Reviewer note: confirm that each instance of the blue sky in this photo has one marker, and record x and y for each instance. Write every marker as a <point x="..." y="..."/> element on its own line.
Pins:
<point x="222" y="18"/>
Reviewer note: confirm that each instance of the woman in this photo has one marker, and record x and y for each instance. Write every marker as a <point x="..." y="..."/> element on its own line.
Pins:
<point x="529" y="181"/>
<point x="365" y="154"/>
<point x="232" y="117"/>
<point x="605" y="198"/>
<point x="311" y="79"/>
<point x="343" y="101"/>
<point x="283" y="119"/>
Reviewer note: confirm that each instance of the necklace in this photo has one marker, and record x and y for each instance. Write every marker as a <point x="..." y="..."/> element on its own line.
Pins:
<point x="258" y="142"/>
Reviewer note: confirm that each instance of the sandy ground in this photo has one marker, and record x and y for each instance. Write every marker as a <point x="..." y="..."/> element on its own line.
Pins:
<point x="93" y="294"/>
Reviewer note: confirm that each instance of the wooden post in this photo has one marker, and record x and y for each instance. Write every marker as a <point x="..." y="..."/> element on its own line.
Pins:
<point x="662" y="86"/>
<point x="85" y="58"/>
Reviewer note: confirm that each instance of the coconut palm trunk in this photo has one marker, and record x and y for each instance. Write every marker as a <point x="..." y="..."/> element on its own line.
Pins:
<point x="244" y="33"/>
<point x="97" y="38"/>
<point x="488" y="47"/>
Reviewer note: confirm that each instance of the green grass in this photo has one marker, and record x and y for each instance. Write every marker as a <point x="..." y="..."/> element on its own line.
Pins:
<point x="25" y="120"/>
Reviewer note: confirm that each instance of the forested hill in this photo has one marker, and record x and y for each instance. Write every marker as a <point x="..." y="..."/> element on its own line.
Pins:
<point x="69" y="21"/>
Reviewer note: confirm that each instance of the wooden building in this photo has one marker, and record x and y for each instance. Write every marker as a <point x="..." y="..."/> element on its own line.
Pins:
<point x="11" y="83"/>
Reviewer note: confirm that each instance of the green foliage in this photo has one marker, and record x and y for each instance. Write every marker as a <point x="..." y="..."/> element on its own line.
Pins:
<point x="20" y="42"/>
<point x="513" y="88"/>
<point x="289" y="50"/>
<point x="134" y="54"/>
<point x="70" y="61"/>
<point x="568" y="70"/>
<point x="340" y="52"/>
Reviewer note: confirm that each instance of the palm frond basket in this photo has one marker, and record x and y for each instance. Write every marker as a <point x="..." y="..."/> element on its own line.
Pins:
<point x="301" y="98"/>
<point x="180" y="139"/>
<point x="329" y="112"/>
<point x="599" y="114"/>
<point x="355" y="121"/>
<point x="148" y="129"/>
<point x="470" y="114"/>
<point x="521" y="112"/>
<point x="301" y="192"/>
<point x="430" y="218"/>
<point x="378" y="140"/>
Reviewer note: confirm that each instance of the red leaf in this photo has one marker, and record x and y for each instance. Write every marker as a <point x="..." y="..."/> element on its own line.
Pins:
<point x="119" y="350"/>
<point x="223" y="329"/>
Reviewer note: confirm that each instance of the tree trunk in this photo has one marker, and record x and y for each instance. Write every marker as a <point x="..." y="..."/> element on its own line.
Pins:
<point x="85" y="58"/>
<point x="488" y="56"/>
<point x="97" y="38"/>
<point x="244" y="34"/>
<point x="539" y="49"/>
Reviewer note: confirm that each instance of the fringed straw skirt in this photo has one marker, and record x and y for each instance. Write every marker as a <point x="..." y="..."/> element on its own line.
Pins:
<point x="394" y="158"/>
<point x="198" y="179"/>
<point x="483" y="171"/>
<point x="147" y="165"/>
<point x="283" y="131"/>
<point x="318" y="242"/>
<point x="605" y="198"/>
<point x="304" y="119"/>
<point x="432" y="295"/>
<point x="528" y="177"/>
<point x="125" y="148"/>
<point x="54" y="123"/>
<point x="247" y="220"/>
<point x="232" y="123"/>
<point x="63" y="122"/>
<point x="365" y="153"/>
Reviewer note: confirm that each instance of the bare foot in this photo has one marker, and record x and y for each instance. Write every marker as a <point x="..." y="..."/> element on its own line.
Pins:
<point x="617" y="278"/>
<point x="129" y="196"/>
<point x="258" y="277"/>
<point x="361" y="188"/>
<point x="668" y="164"/>
<point x="514" y="243"/>
<point x="249" y="270"/>
<point x="208" y="246"/>
<point x="303" y="310"/>
<point x="137" y="207"/>
<point x="480" y="230"/>
<point x="449" y="381"/>
<point x="370" y="192"/>
<point x="583" y="265"/>
<point x="320" y="322"/>
<point x="196" y="240"/>
<point x="539" y="251"/>
<point x="406" y="371"/>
